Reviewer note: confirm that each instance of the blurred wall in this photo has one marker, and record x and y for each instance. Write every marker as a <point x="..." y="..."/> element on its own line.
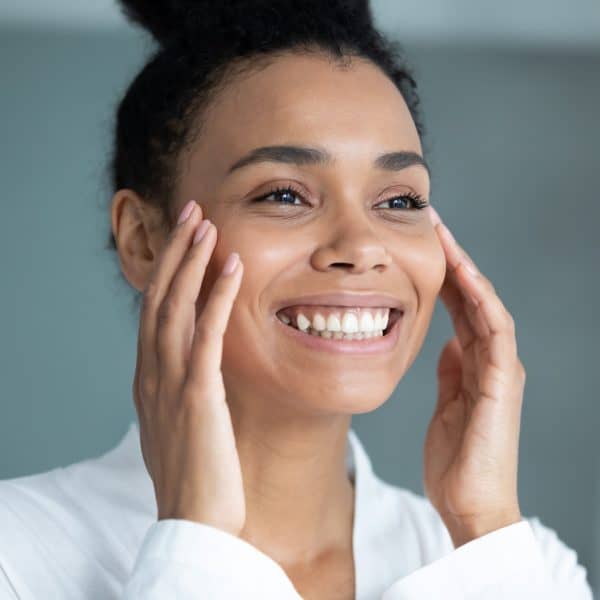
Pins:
<point x="513" y="139"/>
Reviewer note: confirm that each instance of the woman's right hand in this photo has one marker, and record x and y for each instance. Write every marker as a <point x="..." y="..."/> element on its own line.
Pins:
<point x="187" y="437"/>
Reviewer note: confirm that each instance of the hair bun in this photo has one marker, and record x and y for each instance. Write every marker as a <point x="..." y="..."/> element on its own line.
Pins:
<point x="165" y="20"/>
<point x="170" y="20"/>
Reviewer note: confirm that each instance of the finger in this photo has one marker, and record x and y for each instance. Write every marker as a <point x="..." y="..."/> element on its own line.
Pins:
<point x="456" y="265"/>
<point x="491" y="313"/>
<point x="464" y="280"/>
<point x="486" y="312"/>
<point x="178" y="310"/>
<point x="459" y="304"/>
<point x="470" y="281"/>
<point x="451" y="409"/>
<point x="455" y="302"/>
<point x="207" y="345"/>
<point x="449" y="371"/>
<point x="436" y="219"/>
<point x="434" y="216"/>
<point x="492" y="323"/>
<point x="455" y="255"/>
<point x="157" y="286"/>
<point x="466" y="335"/>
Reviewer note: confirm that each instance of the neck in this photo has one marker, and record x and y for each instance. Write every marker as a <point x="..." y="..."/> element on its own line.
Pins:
<point x="299" y="498"/>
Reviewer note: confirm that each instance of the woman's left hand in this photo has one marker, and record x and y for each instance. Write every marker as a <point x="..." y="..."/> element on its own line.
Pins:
<point x="472" y="442"/>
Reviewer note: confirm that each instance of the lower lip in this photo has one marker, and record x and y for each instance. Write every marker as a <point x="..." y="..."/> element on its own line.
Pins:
<point x="375" y="345"/>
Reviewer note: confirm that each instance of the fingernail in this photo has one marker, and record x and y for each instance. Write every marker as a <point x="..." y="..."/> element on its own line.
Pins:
<point x="202" y="229"/>
<point x="186" y="212"/>
<point x="231" y="263"/>
<point x="435" y="217"/>
<point x="449" y="233"/>
<point x="470" y="267"/>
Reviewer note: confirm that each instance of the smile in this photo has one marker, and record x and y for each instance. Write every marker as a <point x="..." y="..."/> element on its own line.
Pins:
<point x="343" y="328"/>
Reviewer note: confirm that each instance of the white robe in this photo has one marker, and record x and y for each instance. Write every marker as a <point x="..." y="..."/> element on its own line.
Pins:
<point x="89" y="531"/>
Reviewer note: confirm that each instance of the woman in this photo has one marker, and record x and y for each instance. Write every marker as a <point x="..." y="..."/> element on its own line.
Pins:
<point x="294" y="292"/>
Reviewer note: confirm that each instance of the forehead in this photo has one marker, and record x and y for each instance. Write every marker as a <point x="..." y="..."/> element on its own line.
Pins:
<point x="356" y="112"/>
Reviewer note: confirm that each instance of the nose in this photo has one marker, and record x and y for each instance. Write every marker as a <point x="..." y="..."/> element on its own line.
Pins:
<point x="353" y="247"/>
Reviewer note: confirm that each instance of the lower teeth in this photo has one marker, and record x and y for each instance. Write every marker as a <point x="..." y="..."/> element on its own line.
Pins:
<point x="340" y="335"/>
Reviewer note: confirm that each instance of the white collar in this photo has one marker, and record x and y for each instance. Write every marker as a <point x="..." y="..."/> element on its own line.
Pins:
<point x="376" y="521"/>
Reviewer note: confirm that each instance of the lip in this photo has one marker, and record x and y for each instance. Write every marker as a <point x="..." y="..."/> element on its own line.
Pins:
<point x="376" y="345"/>
<point x="343" y="299"/>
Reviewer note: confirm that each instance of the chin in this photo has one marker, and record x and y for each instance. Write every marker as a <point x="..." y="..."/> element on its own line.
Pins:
<point x="349" y="397"/>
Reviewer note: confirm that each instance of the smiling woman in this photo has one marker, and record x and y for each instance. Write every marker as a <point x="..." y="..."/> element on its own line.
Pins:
<point x="271" y="211"/>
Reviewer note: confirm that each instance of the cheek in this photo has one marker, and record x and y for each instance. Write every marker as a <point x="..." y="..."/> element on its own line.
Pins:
<point x="266" y="255"/>
<point x="425" y="264"/>
<point x="269" y="258"/>
<point x="436" y="264"/>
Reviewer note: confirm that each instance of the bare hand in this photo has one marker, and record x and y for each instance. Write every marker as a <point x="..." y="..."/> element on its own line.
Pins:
<point x="471" y="445"/>
<point x="186" y="432"/>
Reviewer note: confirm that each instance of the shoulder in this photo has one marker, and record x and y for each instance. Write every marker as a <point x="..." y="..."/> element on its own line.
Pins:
<point x="29" y="506"/>
<point x="82" y="522"/>
<point x="94" y="488"/>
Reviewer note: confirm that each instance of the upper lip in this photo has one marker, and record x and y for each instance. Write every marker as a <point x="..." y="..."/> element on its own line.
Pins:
<point x="344" y="299"/>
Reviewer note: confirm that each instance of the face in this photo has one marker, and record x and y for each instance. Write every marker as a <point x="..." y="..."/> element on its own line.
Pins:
<point x="347" y="226"/>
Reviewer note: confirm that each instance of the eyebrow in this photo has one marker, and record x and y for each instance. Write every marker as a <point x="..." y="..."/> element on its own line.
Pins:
<point x="304" y="155"/>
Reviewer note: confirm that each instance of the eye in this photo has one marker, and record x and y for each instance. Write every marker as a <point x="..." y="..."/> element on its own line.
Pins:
<point x="283" y="195"/>
<point x="288" y="195"/>
<point x="400" y="202"/>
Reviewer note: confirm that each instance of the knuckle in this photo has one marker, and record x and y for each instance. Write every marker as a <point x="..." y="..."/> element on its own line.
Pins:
<point x="510" y="322"/>
<point x="168" y="309"/>
<point x="489" y="285"/>
<point x="190" y="398"/>
<point x="205" y="331"/>
<point x="168" y="390"/>
<point x="149" y="296"/>
<point x="147" y="387"/>
<point x="136" y="396"/>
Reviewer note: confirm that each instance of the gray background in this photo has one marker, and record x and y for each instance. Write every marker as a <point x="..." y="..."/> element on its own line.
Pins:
<point x="513" y="136"/>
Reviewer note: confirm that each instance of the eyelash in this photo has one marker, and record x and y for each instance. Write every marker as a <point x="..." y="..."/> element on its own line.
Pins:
<point x="418" y="202"/>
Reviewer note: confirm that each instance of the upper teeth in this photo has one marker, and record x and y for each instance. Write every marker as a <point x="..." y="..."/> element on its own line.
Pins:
<point x="346" y="321"/>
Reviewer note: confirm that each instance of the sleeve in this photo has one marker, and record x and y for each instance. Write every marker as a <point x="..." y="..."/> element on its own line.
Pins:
<point x="187" y="560"/>
<point x="521" y="561"/>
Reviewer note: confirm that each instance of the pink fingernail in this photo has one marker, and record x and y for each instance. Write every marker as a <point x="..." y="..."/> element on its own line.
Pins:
<point x="435" y="217"/>
<point x="231" y="263"/>
<point x="186" y="212"/>
<point x="201" y="231"/>
<point x="470" y="268"/>
<point x="452" y="238"/>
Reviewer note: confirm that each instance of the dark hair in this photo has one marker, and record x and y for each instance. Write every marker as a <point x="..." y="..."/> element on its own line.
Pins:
<point x="202" y="44"/>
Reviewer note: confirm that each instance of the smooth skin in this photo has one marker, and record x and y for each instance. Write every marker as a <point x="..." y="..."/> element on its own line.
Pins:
<point x="237" y="419"/>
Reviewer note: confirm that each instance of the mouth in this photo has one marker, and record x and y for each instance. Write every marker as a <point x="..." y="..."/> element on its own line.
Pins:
<point x="348" y="323"/>
<point x="362" y="331"/>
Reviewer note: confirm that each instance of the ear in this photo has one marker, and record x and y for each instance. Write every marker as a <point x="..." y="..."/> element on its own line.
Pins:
<point x="140" y="232"/>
